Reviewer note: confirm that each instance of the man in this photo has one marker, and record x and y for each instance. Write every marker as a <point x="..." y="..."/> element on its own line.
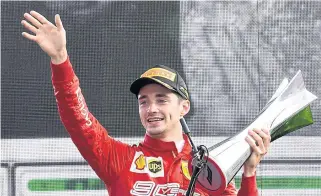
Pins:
<point x="157" y="166"/>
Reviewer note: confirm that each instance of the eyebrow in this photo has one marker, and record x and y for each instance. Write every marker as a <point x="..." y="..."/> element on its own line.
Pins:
<point x="157" y="95"/>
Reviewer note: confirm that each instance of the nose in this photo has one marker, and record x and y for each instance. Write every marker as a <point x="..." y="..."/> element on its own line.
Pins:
<point x="152" y="108"/>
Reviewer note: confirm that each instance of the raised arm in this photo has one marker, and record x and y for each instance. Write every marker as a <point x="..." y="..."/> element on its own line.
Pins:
<point x="103" y="153"/>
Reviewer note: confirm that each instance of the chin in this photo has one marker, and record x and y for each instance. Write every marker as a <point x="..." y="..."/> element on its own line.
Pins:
<point x="155" y="132"/>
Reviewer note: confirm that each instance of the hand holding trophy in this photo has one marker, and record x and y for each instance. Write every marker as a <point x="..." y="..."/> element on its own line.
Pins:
<point x="288" y="110"/>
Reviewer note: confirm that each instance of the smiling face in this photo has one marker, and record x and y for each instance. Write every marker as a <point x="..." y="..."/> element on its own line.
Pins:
<point x="160" y="110"/>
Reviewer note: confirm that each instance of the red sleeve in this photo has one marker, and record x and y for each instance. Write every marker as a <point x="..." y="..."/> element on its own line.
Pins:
<point x="103" y="153"/>
<point x="230" y="189"/>
<point x="248" y="187"/>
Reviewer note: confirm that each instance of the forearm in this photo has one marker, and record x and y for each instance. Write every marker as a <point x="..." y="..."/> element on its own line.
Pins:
<point x="249" y="171"/>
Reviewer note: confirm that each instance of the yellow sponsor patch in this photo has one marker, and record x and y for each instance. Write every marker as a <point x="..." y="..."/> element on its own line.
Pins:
<point x="160" y="73"/>
<point x="185" y="170"/>
<point x="151" y="166"/>
<point x="140" y="162"/>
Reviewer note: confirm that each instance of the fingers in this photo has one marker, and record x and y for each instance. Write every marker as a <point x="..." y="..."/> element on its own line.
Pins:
<point x="33" y="21"/>
<point x="58" y="22"/>
<point x="264" y="135"/>
<point x="266" y="138"/>
<point x="36" y="19"/>
<point x="252" y="142"/>
<point x="259" y="140"/>
<point x="39" y="17"/>
<point x="28" y="36"/>
<point x="29" y="26"/>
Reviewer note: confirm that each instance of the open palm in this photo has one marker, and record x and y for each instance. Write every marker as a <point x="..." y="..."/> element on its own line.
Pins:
<point x="51" y="38"/>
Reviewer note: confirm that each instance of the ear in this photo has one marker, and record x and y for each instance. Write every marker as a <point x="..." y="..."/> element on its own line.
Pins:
<point x="185" y="107"/>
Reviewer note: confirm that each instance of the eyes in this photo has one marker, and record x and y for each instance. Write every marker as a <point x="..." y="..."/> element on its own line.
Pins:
<point x="141" y="103"/>
<point x="158" y="101"/>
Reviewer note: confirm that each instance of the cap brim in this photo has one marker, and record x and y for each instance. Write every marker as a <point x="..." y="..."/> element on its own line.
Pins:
<point x="141" y="82"/>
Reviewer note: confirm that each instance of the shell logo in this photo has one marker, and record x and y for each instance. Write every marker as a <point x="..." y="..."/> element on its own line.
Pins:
<point x="140" y="162"/>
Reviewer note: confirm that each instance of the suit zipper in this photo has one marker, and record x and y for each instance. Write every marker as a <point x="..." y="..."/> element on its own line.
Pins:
<point x="173" y="154"/>
<point x="171" y="167"/>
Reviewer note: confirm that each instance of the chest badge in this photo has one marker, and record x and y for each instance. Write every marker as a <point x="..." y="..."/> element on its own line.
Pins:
<point x="185" y="169"/>
<point x="140" y="162"/>
<point x="153" y="166"/>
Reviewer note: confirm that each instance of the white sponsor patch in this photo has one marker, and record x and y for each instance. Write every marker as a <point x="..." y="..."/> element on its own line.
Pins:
<point x="149" y="188"/>
<point x="83" y="110"/>
<point x="153" y="166"/>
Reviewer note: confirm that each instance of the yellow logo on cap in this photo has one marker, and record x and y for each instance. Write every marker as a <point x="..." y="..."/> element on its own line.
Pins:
<point x="185" y="170"/>
<point x="160" y="73"/>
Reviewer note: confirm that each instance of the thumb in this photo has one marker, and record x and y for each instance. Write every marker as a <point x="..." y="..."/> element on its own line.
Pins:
<point x="58" y="22"/>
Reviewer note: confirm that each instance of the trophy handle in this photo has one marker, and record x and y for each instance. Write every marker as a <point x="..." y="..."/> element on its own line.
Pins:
<point x="211" y="177"/>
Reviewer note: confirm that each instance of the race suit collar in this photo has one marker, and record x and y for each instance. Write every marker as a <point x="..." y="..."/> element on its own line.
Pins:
<point x="159" y="145"/>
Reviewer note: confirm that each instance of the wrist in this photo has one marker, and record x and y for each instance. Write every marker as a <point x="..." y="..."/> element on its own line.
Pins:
<point x="60" y="57"/>
<point x="249" y="172"/>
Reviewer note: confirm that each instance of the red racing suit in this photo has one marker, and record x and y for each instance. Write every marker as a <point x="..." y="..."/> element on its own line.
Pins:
<point x="152" y="167"/>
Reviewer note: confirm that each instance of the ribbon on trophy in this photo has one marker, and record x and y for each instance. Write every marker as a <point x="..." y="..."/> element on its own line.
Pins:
<point x="288" y="110"/>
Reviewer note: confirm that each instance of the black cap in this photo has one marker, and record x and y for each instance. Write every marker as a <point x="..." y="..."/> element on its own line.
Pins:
<point x="165" y="76"/>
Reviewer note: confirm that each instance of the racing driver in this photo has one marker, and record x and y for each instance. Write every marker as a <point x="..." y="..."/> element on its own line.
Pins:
<point x="157" y="165"/>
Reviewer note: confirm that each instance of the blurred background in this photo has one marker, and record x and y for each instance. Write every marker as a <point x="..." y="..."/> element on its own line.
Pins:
<point x="232" y="54"/>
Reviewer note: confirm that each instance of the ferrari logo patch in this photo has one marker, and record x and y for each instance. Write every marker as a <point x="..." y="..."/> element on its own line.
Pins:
<point x="185" y="169"/>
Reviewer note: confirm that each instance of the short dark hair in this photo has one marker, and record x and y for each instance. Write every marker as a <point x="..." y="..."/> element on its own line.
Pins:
<point x="180" y="98"/>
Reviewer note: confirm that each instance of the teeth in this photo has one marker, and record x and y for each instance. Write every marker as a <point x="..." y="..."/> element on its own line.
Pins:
<point x="154" y="119"/>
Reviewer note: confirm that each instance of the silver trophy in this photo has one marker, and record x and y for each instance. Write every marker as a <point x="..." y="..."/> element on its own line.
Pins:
<point x="287" y="111"/>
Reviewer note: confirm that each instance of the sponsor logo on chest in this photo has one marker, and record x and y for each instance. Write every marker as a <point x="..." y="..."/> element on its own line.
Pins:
<point x="185" y="169"/>
<point x="153" y="166"/>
